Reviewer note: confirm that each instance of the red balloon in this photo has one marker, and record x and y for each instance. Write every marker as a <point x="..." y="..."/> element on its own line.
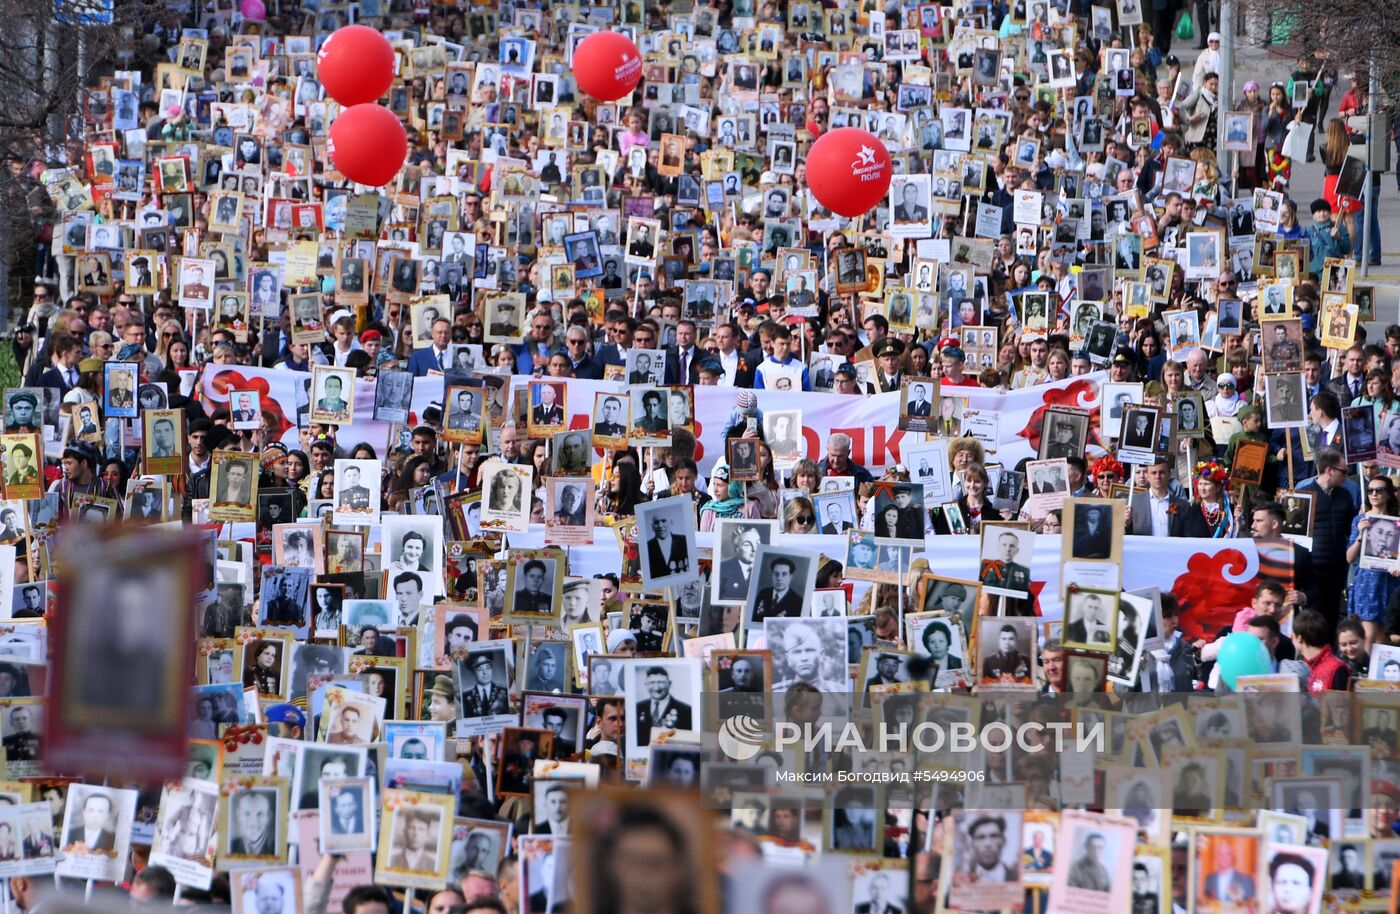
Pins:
<point x="367" y="144"/>
<point x="607" y="65"/>
<point x="849" y="170"/>
<point x="356" y="65"/>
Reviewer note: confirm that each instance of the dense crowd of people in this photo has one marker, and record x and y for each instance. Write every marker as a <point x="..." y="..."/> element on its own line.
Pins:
<point x="521" y="474"/>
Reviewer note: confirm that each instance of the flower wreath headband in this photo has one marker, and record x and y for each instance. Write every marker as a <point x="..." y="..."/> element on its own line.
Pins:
<point x="1108" y="464"/>
<point x="1212" y="470"/>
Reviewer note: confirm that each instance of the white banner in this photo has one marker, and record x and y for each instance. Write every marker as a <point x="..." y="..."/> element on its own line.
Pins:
<point x="1213" y="578"/>
<point x="873" y="422"/>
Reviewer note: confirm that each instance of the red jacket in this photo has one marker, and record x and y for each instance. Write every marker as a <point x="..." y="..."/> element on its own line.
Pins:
<point x="1327" y="672"/>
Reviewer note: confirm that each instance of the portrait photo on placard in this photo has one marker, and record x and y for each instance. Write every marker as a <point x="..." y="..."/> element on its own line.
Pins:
<point x="266" y="891"/>
<point x="333" y="395"/>
<point x="784" y="577"/>
<point x="1006" y="651"/>
<point x="1005" y="560"/>
<point x="811" y="651"/>
<point x="737" y="541"/>
<point x="356" y="491"/>
<point x="666" y="528"/>
<point x="506" y="504"/>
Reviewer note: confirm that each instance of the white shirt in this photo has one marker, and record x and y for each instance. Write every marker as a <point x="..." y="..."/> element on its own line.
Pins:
<point x="1160" y="518"/>
<point x="730" y="363"/>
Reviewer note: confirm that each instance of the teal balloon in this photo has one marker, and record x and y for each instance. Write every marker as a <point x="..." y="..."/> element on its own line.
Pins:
<point x="1241" y="654"/>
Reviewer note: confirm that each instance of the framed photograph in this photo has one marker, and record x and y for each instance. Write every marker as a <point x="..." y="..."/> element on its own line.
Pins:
<point x="477" y="846"/>
<point x="1137" y="436"/>
<point x="266" y="890"/>
<point x="548" y="410"/>
<point x="1203" y="254"/>
<point x="393" y="396"/>
<point x="464" y="413"/>
<point x="356" y="492"/>
<point x="245" y="410"/>
<point x="745" y="460"/>
<point x="1006" y="649"/>
<point x="815" y="651"/>
<point x="253" y="817"/>
<point x="1001" y="573"/>
<point x="662" y="702"/>
<point x="307" y="325"/>
<point x="119" y="380"/>
<point x="163" y="441"/>
<point x="1091" y="619"/>
<point x="347" y="818"/>
<point x="737" y="543"/>
<point x="415" y="839"/>
<point x="412" y="546"/>
<point x="610" y="420"/>
<point x="234" y="484"/>
<point x="506" y="505"/>
<point x="650" y="419"/>
<point x="1224" y="863"/>
<point x="333" y="395"/>
<point x="1359" y="434"/>
<point x="534" y="587"/>
<point x="1298" y="510"/>
<point x="571" y="453"/>
<point x="1248" y="465"/>
<point x="1380" y="537"/>
<point x="1239" y="130"/>
<point x="568" y="511"/>
<point x="1093" y="530"/>
<point x="1063" y="434"/>
<point x="1100" y="875"/>
<point x="1190" y="415"/>
<point x="784" y="577"/>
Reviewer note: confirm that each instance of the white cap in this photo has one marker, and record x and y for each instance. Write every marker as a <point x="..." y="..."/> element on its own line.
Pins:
<point x="1213" y="36"/>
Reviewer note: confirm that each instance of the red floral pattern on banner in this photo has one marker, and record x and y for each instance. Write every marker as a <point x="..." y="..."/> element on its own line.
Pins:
<point x="229" y="381"/>
<point x="1211" y="593"/>
<point x="1082" y="394"/>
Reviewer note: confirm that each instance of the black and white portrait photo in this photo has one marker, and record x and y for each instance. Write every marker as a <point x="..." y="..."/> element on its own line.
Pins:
<point x="413" y="545"/>
<point x="1285" y="396"/>
<point x="1094" y="527"/>
<point x="572" y="452"/>
<point x="737" y="541"/>
<point x="666" y="532"/>
<point x="393" y="396"/>
<point x="784" y="577"/>
<point x="1139" y="429"/>
<point x="506" y="491"/>
<point x="662" y="696"/>
<point x="1090" y="619"/>
<point x="811" y="651"/>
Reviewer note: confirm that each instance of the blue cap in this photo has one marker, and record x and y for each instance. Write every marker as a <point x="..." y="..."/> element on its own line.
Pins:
<point x="285" y="714"/>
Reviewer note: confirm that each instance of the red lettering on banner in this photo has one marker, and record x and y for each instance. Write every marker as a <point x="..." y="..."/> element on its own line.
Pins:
<point x="885" y="446"/>
<point x="699" y="445"/>
<point x="814" y="444"/>
<point x="857" y="436"/>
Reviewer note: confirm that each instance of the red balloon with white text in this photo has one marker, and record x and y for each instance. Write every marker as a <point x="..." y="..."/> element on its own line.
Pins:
<point x="849" y="171"/>
<point x="607" y="65"/>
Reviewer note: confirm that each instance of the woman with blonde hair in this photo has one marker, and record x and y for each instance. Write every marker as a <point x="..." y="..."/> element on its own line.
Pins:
<point x="799" y="515"/>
